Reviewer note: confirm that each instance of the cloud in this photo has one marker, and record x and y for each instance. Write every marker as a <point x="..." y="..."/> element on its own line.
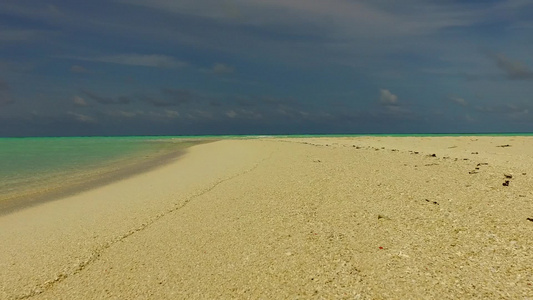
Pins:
<point x="178" y="96"/>
<point x="79" y="101"/>
<point x="152" y="60"/>
<point x="514" y="70"/>
<point x="78" y="69"/>
<point x="170" y="97"/>
<point x="124" y="114"/>
<point x="21" y="35"/>
<point x="231" y="114"/>
<point x="459" y="101"/>
<point x="172" y="114"/>
<point x="4" y="93"/>
<point x="4" y="86"/>
<point x="302" y="16"/>
<point x="243" y="114"/>
<point x="5" y="99"/>
<point x="387" y="98"/>
<point x="81" y="117"/>
<point x="107" y="100"/>
<point x="156" y="101"/>
<point x="222" y="69"/>
<point x="507" y="109"/>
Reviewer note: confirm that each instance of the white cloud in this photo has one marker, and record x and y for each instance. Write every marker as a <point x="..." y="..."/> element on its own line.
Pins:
<point x="125" y="114"/>
<point x="171" y="114"/>
<point x="79" y="101"/>
<point x="78" y="69"/>
<point x="221" y="69"/>
<point x="387" y="98"/>
<point x="81" y="117"/>
<point x="459" y="101"/>
<point x="231" y="114"/>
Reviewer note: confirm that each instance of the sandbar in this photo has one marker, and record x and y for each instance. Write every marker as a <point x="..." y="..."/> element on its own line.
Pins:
<point x="277" y="218"/>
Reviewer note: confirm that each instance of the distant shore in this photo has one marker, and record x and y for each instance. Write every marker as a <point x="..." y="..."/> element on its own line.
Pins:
<point x="331" y="217"/>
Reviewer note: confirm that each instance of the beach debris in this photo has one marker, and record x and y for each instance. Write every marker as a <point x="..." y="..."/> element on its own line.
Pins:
<point x="434" y="202"/>
<point x="383" y="217"/>
<point x="530" y="219"/>
<point x="475" y="153"/>
<point x="431" y="164"/>
<point x="416" y="152"/>
<point x="433" y="155"/>
<point x="524" y="173"/>
<point x="506" y="183"/>
<point x="316" y="160"/>
<point x="473" y="172"/>
<point x="483" y="164"/>
<point x="504" y="146"/>
<point x="508" y="176"/>
<point x="402" y="255"/>
<point x="381" y="248"/>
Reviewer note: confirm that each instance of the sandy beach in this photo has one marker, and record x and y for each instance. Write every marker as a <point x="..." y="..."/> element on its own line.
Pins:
<point x="277" y="218"/>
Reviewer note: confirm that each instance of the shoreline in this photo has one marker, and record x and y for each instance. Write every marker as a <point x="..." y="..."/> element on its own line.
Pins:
<point x="364" y="218"/>
<point x="95" y="178"/>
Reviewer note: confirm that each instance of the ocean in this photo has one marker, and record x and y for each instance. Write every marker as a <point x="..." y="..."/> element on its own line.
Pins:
<point x="32" y="167"/>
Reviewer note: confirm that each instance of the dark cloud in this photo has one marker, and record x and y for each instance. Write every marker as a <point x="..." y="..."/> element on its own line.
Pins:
<point x="222" y="69"/>
<point x="4" y="86"/>
<point x="459" y="101"/>
<point x="508" y="108"/>
<point x="79" y="101"/>
<point x="15" y="67"/>
<point x="78" y="69"/>
<point x="514" y="70"/>
<point x="142" y="60"/>
<point x="178" y="96"/>
<point x="264" y="101"/>
<point x="171" y="97"/>
<point x="107" y="100"/>
<point x="81" y="117"/>
<point x="156" y="101"/>
<point x="5" y="98"/>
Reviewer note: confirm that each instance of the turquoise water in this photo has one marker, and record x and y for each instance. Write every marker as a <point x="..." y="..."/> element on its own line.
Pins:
<point x="27" y="163"/>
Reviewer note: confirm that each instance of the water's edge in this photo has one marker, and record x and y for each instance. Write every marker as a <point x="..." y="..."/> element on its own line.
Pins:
<point x="23" y="201"/>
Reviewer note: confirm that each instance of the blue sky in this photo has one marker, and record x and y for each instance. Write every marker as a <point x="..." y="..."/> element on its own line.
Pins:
<point x="167" y="67"/>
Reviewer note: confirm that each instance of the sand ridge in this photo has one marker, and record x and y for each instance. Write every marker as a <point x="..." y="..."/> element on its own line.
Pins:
<point x="363" y="218"/>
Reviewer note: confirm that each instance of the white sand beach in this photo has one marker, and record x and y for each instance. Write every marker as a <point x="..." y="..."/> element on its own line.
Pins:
<point x="272" y="218"/>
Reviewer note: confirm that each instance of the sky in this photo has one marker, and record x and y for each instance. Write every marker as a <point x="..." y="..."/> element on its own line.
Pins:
<point x="194" y="67"/>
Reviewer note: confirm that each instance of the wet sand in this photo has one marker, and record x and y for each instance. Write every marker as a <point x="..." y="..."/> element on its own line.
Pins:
<point x="94" y="177"/>
<point x="354" y="218"/>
